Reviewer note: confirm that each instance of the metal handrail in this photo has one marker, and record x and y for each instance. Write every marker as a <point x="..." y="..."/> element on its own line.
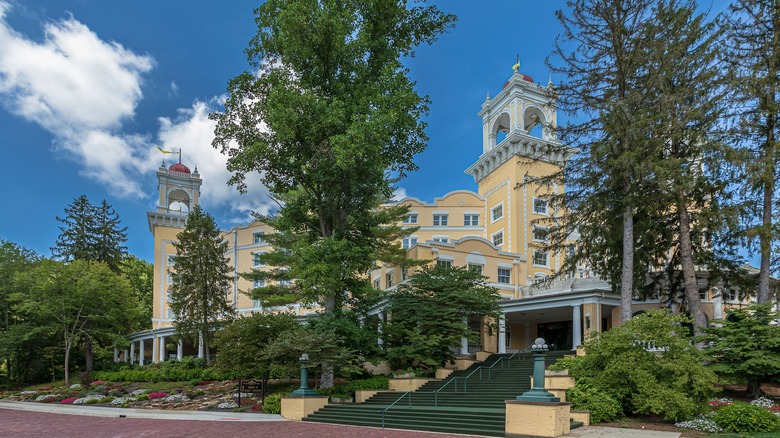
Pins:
<point x="501" y="359"/>
<point x="436" y="392"/>
<point x="409" y="393"/>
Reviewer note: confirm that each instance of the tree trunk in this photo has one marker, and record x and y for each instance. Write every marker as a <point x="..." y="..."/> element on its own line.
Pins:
<point x="766" y="235"/>
<point x="326" y="380"/>
<point x="67" y="360"/>
<point x="627" y="275"/>
<point x="89" y="359"/>
<point x="689" y="272"/>
<point x="754" y="389"/>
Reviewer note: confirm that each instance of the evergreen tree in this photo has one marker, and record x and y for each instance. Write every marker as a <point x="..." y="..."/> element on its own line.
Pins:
<point x="109" y="237"/>
<point x="430" y="314"/>
<point x="140" y="273"/>
<point x="752" y="50"/>
<point x="201" y="279"/>
<point x="343" y="125"/>
<point x="605" y="53"/>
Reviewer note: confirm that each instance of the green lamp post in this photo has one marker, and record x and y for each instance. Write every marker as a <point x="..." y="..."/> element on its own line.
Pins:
<point x="538" y="393"/>
<point x="304" y="390"/>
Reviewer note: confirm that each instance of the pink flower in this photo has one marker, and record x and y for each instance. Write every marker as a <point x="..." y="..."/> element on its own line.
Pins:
<point x="69" y="400"/>
<point x="155" y="395"/>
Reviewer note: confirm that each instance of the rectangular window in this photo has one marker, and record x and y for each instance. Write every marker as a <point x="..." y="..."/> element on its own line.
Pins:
<point x="171" y="261"/>
<point x="504" y="275"/>
<point x="444" y="263"/>
<point x="540" y="258"/>
<point x="410" y="219"/>
<point x="475" y="268"/>
<point x="497" y="212"/>
<point x="498" y="238"/>
<point x="404" y="273"/>
<point x="540" y="206"/>
<point x="258" y="283"/>
<point x="256" y="303"/>
<point x="376" y="284"/>
<point x="703" y="294"/>
<point x="408" y="242"/>
<point x="471" y="220"/>
<point x="441" y="239"/>
<point x="389" y="279"/>
<point x="285" y="282"/>
<point x="439" y="220"/>
<point x="256" y="259"/>
<point x="540" y="234"/>
<point x="259" y="237"/>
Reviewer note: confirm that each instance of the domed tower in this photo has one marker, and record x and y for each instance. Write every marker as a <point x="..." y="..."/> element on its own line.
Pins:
<point x="179" y="190"/>
<point x="519" y="146"/>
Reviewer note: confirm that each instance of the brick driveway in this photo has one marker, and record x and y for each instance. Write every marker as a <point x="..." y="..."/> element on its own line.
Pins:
<point x="25" y="424"/>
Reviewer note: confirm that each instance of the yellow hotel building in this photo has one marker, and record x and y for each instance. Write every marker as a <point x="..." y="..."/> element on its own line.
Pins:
<point x="491" y="229"/>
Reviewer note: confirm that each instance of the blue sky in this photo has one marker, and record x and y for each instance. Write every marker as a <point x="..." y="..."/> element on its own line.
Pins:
<point x="89" y="88"/>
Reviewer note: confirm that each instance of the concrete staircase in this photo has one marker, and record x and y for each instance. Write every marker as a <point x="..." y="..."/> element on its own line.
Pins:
<point x="470" y="401"/>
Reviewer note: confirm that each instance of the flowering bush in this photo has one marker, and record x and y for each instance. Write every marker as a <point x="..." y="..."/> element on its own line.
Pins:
<point x="717" y="404"/>
<point x="230" y="404"/>
<point x="138" y="392"/>
<point x="69" y="400"/>
<point x="257" y="407"/>
<point x="75" y="386"/>
<point x="703" y="423"/>
<point x="45" y="388"/>
<point x="94" y="398"/>
<point x="156" y="395"/>
<point x="46" y="397"/>
<point x="177" y="398"/>
<point x="745" y="417"/>
<point x="122" y="400"/>
<point x="28" y="392"/>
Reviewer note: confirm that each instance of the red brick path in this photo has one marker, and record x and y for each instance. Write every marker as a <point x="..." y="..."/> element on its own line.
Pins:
<point x="24" y="424"/>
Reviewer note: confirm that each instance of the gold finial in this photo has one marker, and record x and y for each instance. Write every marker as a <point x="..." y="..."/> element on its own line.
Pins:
<point x="516" y="67"/>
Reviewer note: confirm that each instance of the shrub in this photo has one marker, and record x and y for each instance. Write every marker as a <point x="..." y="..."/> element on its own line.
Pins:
<point x="69" y="400"/>
<point x="376" y="383"/>
<point x="273" y="404"/>
<point x="155" y="395"/>
<point x="601" y="406"/>
<point x="745" y="417"/>
<point x="649" y="365"/>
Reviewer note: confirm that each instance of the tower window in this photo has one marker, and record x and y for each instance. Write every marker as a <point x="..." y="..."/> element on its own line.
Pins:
<point x="471" y="220"/>
<point x="540" y="258"/>
<point x="498" y="238"/>
<point x="497" y="212"/>
<point x="439" y="220"/>
<point x="540" y="206"/>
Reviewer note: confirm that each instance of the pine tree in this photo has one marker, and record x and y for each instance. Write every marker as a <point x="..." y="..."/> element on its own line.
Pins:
<point x="109" y="237"/>
<point x="77" y="238"/>
<point x="752" y="50"/>
<point x="605" y="55"/>
<point x="201" y="279"/>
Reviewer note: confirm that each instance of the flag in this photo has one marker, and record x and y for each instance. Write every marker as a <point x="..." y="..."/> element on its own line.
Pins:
<point x="164" y="151"/>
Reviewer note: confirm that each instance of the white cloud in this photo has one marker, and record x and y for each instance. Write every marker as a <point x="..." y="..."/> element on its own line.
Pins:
<point x="82" y="89"/>
<point x="398" y="194"/>
<point x="193" y="132"/>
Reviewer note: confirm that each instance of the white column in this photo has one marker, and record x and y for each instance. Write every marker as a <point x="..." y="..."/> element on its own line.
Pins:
<point x="116" y="355"/>
<point x="502" y="334"/>
<point x="161" y="356"/>
<point x="180" y="350"/>
<point x="718" y="304"/>
<point x="127" y="355"/>
<point x="200" y="345"/>
<point x="379" y="341"/>
<point x="155" y="349"/>
<point x="576" y="326"/>
<point x="141" y="352"/>
<point x="132" y="352"/>
<point x="464" y="341"/>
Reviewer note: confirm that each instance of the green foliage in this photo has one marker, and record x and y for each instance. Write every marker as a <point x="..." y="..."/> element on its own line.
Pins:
<point x="323" y="346"/>
<point x="273" y="403"/>
<point x="373" y="383"/>
<point x="140" y="274"/>
<point x="746" y="417"/>
<point x="430" y="313"/>
<point x="648" y="365"/>
<point x="91" y="232"/>
<point x="241" y="343"/>
<point x="601" y="406"/>
<point x="186" y="370"/>
<point x="361" y="340"/>
<point x="201" y="279"/>
<point x="746" y="346"/>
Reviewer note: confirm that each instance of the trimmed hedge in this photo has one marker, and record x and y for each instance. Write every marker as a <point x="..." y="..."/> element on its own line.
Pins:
<point x="189" y="369"/>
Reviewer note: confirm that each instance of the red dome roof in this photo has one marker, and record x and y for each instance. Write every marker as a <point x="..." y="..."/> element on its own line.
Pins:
<point x="525" y="78"/>
<point x="178" y="167"/>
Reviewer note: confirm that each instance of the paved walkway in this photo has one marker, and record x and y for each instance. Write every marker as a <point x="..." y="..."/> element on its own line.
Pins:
<point x="32" y="420"/>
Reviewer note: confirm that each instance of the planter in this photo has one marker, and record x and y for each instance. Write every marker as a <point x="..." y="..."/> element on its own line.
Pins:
<point x="550" y="373"/>
<point x="404" y="376"/>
